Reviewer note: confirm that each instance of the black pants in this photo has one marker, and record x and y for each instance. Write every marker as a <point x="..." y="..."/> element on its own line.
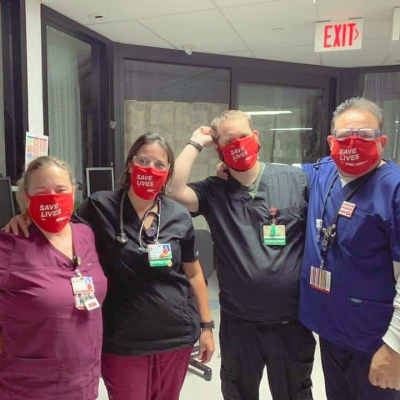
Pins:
<point x="287" y="350"/>
<point x="346" y="375"/>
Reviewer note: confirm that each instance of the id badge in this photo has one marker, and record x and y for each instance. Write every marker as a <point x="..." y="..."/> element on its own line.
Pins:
<point x="82" y="284"/>
<point x="91" y="304"/>
<point x="320" y="279"/>
<point x="274" y="235"/>
<point x="347" y="209"/>
<point x="160" y="255"/>
<point x="86" y="301"/>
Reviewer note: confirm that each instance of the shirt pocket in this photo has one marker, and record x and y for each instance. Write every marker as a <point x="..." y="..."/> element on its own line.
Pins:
<point x="363" y="235"/>
<point x="85" y="385"/>
<point x="34" y="378"/>
<point x="364" y="322"/>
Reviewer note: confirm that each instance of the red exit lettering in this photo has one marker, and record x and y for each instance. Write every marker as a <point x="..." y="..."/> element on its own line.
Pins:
<point x="340" y="35"/>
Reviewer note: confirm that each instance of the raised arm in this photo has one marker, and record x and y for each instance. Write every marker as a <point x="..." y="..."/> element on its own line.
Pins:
<point x="177" y="188"/>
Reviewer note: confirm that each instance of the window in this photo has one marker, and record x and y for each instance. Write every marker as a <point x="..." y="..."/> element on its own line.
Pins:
<point x="174" y="100"/>
<point x="384" y="88"/>
<point x="289" y="121"/>
<point x="69" y="99"/>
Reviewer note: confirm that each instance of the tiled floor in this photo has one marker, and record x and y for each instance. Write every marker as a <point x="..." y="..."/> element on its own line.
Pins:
<point x="196" y="388"/>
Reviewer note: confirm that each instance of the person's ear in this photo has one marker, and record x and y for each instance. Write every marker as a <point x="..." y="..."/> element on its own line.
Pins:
<point x="384" y="141"/>
<point x="24" y="198"/>
<point x="329" y="139"/>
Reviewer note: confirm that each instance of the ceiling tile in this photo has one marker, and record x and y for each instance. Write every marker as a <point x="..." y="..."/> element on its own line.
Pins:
<point x="296" y="54"/>
<point x="338" y="10"/>
<point x="206" y="31"/>
<point x="244" y="53"/>
<point x="130" y="32"/>
<point x="118" y="10"/>
<point x="234" y="3"/>
<point x="255" y="24"/>
<point x="374" y="52"/>
<point x="393" y="57"/>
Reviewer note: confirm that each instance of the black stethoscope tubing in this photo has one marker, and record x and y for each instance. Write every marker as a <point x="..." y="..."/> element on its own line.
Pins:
<point x="122" y="237"/>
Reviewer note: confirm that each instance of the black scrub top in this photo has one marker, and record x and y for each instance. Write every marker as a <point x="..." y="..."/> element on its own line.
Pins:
<point x="258" y="282"/>
<point x="147" y="309"/>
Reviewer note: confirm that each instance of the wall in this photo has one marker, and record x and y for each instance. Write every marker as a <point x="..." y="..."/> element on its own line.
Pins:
<point x="34" y="66"/>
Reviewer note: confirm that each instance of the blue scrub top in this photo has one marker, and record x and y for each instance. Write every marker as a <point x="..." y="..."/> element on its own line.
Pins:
<point x="356" y="313"/>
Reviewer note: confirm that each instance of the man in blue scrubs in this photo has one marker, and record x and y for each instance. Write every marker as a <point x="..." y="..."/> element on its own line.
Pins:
<point x="349" y="293"/>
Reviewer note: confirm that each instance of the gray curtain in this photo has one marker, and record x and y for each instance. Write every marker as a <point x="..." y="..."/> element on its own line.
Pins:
<point x="384" y="88"/>
<point x="64" y="100"/>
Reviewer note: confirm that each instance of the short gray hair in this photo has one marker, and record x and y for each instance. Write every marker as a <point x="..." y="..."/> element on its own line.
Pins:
<point x="362" y="104"/>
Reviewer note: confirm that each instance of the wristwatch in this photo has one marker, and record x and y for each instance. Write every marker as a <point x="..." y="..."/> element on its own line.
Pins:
<point x="210" y="324"/>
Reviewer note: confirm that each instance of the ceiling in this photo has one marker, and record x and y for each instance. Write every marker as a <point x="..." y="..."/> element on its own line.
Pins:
<point x="282" y="30"/>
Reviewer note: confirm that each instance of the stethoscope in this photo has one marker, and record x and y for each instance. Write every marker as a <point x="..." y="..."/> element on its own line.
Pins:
<point x="151" y="232"/>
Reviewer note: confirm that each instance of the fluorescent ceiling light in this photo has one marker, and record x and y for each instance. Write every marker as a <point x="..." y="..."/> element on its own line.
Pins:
<point x="292" y="129"/>
<point x="268" y="112"/>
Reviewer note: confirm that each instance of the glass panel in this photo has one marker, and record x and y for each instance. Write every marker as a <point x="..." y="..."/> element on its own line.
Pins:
<point x="69" y="71"/>
<point x="174" y="100"/>
<point x="2" y="135"/>
<point x="384" y="88"/>
<point x="289" y="121"/>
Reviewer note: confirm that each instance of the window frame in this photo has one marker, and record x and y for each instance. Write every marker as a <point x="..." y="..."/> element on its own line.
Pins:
<point x="100" y="81"/>
<point x="15" y="84"/>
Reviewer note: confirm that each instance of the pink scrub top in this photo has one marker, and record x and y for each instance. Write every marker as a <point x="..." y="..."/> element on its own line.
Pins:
<point x="51" y="349"/>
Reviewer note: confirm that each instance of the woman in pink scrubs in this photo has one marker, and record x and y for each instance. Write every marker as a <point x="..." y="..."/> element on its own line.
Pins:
<point x="51" y="290"/>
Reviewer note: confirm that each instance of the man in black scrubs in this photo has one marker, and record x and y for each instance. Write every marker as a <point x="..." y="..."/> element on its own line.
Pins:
<point x="257" y="220"/>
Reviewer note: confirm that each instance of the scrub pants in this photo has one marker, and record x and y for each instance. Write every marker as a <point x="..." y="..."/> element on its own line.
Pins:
<point x="286" y="349"/>
<point x="346" y="375"/>
<point x="157" y="376"/>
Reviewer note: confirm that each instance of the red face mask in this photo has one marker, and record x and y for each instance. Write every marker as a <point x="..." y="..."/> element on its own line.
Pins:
<point x="51" y="212"/>
<point x="354" y="155"/>
<point x="147" y="182"/>
<point x="240" y="154"/>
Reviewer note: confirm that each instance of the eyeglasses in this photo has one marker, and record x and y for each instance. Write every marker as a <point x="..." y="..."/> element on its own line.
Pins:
<point x="147" y="162"/>
<point x="363" y="133"/>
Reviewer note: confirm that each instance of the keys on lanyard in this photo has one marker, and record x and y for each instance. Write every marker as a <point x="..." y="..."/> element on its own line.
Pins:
<point x="83" y="289"/>
<point x="320" y="279"/>
<point x="329" y="236"/>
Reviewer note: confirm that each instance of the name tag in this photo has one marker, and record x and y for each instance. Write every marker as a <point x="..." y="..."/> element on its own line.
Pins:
<point x="160" y="255"/>
<point x="320" y="279"/>
<point x="274" y="235"/>
<point x="82" y="284"/>
<point x="347" y="209"/>
<point x="83" y="289"/>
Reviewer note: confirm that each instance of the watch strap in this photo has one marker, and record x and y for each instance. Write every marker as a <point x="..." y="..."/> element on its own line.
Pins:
<point x="210" y="324"/>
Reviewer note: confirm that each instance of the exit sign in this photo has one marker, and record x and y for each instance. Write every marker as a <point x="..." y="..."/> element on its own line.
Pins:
<point x="335" y="36"/>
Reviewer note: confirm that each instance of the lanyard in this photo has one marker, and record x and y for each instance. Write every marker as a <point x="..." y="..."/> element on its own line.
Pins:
<point x="77" y="262"/>
<point x="158" y="218"/>
<point x="330" y="231"/>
